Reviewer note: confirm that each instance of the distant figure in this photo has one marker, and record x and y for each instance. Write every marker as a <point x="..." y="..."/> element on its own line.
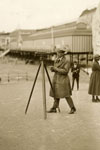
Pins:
<point x="75" y="74"/>
<point x="61" y="82"/>
<point x="94" y="84"/>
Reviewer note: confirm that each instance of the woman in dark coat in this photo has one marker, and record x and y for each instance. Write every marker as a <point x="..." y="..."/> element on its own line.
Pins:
<point x="94" y="84"/>
<point x="61" y="82"/>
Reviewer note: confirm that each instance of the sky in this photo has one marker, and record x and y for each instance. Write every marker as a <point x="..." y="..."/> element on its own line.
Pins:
<point x="37" y="14"/>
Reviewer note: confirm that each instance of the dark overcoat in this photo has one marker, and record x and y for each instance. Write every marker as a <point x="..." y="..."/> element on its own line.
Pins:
<point x="94" y="84"/>
<point x="75" y="71"/>
<point x="61" y="81"/>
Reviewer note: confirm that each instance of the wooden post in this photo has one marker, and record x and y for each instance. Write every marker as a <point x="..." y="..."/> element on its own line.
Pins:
<point x="26" y="76"/>
<point x="8" y="78"/>
<point x="52" y="38"/>
<point x="78" y="57"/>
<point x="71" y="58"/>
<point x="87" y="61"/>
<point x="18" y="77"/>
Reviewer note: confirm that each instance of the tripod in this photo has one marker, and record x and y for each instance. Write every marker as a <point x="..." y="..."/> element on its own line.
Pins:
<point x="43" y="70"/>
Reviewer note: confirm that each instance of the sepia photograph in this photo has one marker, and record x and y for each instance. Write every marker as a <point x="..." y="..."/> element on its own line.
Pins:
<point x="49" y="75"/>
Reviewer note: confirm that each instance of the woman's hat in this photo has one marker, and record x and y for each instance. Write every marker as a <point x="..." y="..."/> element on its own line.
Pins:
<point x="61" y="51"/>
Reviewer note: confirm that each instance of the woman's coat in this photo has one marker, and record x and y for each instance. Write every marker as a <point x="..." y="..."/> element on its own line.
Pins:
<point x="94" y="84"/>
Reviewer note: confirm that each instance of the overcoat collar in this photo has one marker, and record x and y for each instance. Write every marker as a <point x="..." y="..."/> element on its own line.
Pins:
<point x="60" y="62"/>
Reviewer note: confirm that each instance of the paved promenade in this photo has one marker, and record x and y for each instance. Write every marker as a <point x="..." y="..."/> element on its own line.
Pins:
<point x="60" y="131"/>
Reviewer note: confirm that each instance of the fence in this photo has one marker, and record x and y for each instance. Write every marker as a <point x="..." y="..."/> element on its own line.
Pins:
<point x="15" y="77"/>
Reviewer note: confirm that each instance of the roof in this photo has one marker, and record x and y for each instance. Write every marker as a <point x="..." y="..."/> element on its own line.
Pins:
<point x="87" y="11"/>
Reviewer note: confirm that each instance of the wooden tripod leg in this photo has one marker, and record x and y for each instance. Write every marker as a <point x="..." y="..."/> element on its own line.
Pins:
<point x="50" y="83"/>
<point x="43" y="89"/>
<point x="32" y="89"/>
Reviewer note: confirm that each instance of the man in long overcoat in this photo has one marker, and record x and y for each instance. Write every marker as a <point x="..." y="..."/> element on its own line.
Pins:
<point x="61" y="82"/>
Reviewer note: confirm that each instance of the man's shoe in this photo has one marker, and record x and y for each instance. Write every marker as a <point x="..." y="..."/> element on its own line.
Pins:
<point x="94" y="100"/>
<point x="97" y="99"/>
<point x="72" y="110"/>
<point x="52" y="110"/>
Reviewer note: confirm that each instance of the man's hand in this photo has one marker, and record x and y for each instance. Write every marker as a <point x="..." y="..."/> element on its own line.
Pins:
<point x="53" y="69"/>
